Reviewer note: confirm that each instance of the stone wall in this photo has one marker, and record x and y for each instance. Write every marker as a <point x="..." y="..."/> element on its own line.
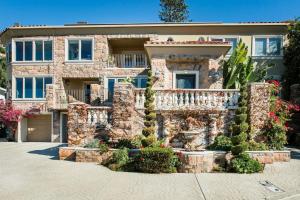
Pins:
<point x="126" y="120"/>
<point x="163" y="68"/>
<point x="258" y="105"/>
<point x="80" y="131"/>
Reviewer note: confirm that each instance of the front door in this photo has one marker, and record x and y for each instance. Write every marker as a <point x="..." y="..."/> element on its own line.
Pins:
<point x="87" y="93"/>
<point x="64" y="127"/>
<point x="186" y="81"/>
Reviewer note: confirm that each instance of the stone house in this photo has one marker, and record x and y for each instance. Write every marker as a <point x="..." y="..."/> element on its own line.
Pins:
<point x="58" y="68"/>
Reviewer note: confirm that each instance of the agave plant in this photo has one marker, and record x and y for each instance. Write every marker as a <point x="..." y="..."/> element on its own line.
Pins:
<point x="239" y="61"/>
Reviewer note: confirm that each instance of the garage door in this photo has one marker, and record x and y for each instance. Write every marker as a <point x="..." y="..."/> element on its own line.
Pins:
<point x="39" y="129"/>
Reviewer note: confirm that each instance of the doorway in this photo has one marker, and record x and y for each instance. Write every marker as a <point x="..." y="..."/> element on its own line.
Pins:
<point x="64" y="127"/>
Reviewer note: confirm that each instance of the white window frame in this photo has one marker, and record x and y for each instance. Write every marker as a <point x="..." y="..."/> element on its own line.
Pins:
<point x="185" y="72"/>
<point x="79" y="50"/>
<point x="33" y="49"/>
<point x="267" y="50"/>
<point x="223" y="37"/>
<point x="14" y="87"/>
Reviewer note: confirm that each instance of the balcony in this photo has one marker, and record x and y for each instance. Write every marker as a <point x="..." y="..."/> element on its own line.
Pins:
<point x="191" y="99"/>
<point x="128" y="60"/>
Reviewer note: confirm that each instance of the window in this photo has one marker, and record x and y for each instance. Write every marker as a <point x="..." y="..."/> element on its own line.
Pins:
<point x="139" y="82"/>
<point x="80" y="50"/>
<point x="37" y="50"/>
<point x="186" y="81"/>
<point x="232" y="40"/>
<point x="267" y="46"/>
<point x="32" y="87"/>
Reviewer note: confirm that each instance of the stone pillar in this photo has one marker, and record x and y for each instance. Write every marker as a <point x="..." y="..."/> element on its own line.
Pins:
<point x="159" y="70"/>
<point x="212" y="127"/>
<point x="50" y="96"/>
<point x="97" y="94"/>
<point x="125" y="120"/>
<point x="258" y="105"/>
<point x="79" y="131"/>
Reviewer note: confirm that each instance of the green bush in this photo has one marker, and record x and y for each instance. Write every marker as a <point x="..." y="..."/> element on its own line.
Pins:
<point x="156" y="160"/>
<point x="124" y="143"/>
<point x="120" y="159"/>
<point x="244" y="164"/>
<point x="103" y="148"/>
<point x="239" y="138"/>
<point x="92" y="144"/>
<point x="237" y="149"/>
<point x="222" y="143"/>
<point x="149" y="140"/>
<point x="257" y="146"/>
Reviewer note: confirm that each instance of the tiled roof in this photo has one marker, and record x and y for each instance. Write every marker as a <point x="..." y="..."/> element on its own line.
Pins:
<point x="186" y="42"/>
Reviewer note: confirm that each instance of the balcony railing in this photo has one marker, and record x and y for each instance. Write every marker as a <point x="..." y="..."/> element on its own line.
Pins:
<point x="190" y="99"/>
<point x="128" y="60"/>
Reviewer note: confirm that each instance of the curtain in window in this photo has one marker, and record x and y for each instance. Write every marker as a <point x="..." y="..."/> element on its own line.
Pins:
<point x="274" y="46"/>
<point x="73" y="49"/>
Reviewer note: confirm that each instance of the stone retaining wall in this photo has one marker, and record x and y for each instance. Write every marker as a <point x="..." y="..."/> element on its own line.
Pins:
<point x="192" y="162"/>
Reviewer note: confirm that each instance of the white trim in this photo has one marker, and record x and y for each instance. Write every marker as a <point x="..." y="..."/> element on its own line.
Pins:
<point x="267" y="37"/>
<point x="14" y="85"/>
<point x="80" y="38"/>
<point x="33" y="40"/>
<point x="60" y="125"/>
<point x="175" y="72"/>
<point x="224" y="37"/>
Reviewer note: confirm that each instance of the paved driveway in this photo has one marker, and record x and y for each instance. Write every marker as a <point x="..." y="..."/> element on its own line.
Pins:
<point x="32" y="171"/>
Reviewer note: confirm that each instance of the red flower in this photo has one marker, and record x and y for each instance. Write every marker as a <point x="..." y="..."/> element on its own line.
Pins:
<point x="142" y="159"/>
<point x="272" y="114"/>
<point x="162" y="145"/>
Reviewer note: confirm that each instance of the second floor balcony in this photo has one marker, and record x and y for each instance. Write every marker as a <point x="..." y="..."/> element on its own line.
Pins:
<point x="128" y="60"/>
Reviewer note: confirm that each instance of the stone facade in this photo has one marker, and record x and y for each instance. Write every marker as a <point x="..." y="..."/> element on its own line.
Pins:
<point x="259" y="105"/>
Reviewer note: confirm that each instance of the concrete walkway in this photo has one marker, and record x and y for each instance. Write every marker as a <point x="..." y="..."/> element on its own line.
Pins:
<point x="32" y="171"/>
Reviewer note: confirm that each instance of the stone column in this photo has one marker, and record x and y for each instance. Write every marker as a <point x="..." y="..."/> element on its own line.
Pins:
<point x="50" y="96"/>
<point x="125" y="120"/>
<point x="79" y="131"/>
<point x="97" y="94"/>
<point x="258" y="105"/>
<point x="212" y="127"/>
<point x="159" y="70"/>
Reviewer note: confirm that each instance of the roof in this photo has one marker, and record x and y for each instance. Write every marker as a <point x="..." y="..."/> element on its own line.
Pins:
<point x="140" y="26"/>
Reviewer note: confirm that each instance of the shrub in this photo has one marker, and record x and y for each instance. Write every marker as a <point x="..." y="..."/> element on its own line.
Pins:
<point x="149" y="140"/>
<point x="222" y="143"/>
<point x="243" y="163"/>
<point x="240" y="148"/>
<point x="103" y="148"/>
<point x="156" y="160"/>
<point x="92" y="144"/>
<point x="136" y="142"/>
<point x="120" y="160"/>
<point x="257" y="146"/>
<point x="124" y="143"/>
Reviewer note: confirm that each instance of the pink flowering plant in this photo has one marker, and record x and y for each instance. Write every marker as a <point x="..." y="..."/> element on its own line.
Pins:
<point x="279" y="115"/>
<point x="9" y="116"/>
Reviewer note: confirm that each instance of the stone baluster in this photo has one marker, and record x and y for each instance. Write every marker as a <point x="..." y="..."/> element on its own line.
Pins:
<point x="143" y="99"/>
<point x="202" y="99"/>
<point x="95" y="118"/>
<point x="225" y="103"/>
<point x="170" y="102"/>
<point x="137" y="99"/>
<point x="197" y="99"/>
<point x="89" y="117"/>
<point x="166" y="99"/>
<point x="181" y="99"/>
<point x="175" y="99"/>
<point x="208" y="98"/>
<point x="186" y="98"/>
<point x="192" y="99"/>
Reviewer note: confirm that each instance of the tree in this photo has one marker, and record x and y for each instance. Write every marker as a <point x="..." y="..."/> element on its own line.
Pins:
<point x="292" y="58"/>
<point x="3" y="76"/>
<point x="239" y="63"/>
<point x="173" y="11"/>
<point x="150" y="114"/>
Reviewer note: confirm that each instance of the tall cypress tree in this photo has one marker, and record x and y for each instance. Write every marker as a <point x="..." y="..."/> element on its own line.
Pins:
<point x="150" y="114"/>
<point x="173" y="11"/>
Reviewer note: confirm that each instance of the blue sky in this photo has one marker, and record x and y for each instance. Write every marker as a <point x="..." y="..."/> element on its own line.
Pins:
<point x="59" y="12"/>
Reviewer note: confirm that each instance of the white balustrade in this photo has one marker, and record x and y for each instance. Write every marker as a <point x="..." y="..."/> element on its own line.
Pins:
<point x="191" y="99"/>
<point x="129" y="60"/>
<point x="97" y="115"/>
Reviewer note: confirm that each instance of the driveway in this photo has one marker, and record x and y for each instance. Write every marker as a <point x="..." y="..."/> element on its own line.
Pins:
<point x="32" y="171"/>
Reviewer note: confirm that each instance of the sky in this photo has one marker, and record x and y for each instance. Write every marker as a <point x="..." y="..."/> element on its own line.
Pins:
<point x="59" y="12"/>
